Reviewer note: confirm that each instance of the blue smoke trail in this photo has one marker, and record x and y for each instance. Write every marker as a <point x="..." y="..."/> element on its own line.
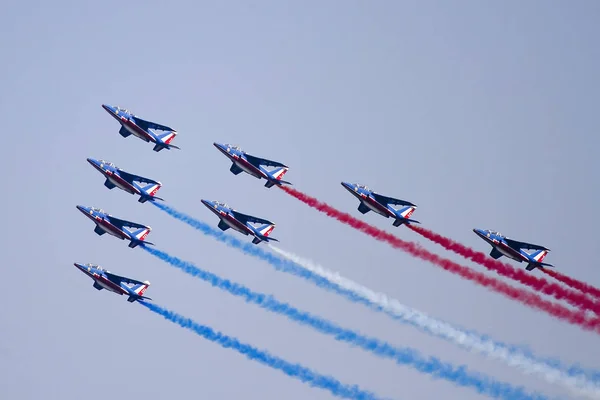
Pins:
<point x="287" y="266"/>
<point x="293" y="370"/>
<point x="402" y="356"/>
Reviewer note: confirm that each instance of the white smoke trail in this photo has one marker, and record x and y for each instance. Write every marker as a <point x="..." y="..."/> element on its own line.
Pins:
<point x="512" y="356"/>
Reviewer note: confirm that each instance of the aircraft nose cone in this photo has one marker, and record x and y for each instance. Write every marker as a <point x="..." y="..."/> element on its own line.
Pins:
<point x="93" y="161"/>
<point x="206" y="203"/>
<point x="478" y="232"/>
<point x="348" y="186"/>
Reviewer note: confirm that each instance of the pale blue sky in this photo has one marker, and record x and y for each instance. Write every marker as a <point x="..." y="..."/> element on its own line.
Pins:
<point x="482" y="113"/>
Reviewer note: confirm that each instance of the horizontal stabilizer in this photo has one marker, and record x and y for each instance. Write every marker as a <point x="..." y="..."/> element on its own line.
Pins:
<point x="406" y="221"/>
<point x="134" y="243"/>
<point x="131" y="299"/>
<point x="143" y="199"/>
<point x="159" y="146"/>
<point x="532" y="266"/>
<point x="124" y="132"/>
<point x="109" y="184"/>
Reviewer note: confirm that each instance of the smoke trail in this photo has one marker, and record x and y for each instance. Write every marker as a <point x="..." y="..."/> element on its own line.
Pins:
<point x="391" y="309"/>
<point x="574" y="283"/>
<point x="402" y="356"/>
<point x="530" y="299"/>
<point x="574" y="298"/>
<point x="293" y="370"/>
<point x="552" y="371"/>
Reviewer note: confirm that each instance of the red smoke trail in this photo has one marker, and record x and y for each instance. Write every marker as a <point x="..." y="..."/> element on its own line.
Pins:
<point x="572" y="297"/>
<point x="525" y="297"/>
<point x="574" y="283"/>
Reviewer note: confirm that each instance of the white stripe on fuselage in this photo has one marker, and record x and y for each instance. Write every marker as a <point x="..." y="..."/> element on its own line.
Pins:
<point x="136" y="130"/>
<point x="249" y="168"/>
<point x="111" y="287"/>
<point x="376" y="207"/>
<point x="235" y="224"/>
<point x="111" y="229"/>
<point x="122" y="184"/>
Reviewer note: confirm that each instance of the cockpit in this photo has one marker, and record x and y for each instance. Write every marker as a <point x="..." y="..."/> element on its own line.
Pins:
<point x="233" y="147"/>
<point x="219" y="204"/>
<point x="124" y="110"/>
<point x="363" y="187"/>
<point x="104" y="162"/>
<point x="98" y="210"/>
<point x="490" y="232"/>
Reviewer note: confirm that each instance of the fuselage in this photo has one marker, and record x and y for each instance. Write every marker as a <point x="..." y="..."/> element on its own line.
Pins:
<point x="239" y="160"/>
<point x="125" y="121"/>
<point x="101" y="279"/>
<point x="103" y="222"/>
<point x="113" y="176"/>
<point x="499" y="244"/>
<point x="227" y="218"/>
<point x="370" y="202"/>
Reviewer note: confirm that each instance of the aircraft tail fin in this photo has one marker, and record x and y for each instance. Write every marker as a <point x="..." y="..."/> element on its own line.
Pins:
<point x="263" y="234"/>
<point x="149" y="192"/>
<point x="164" y="141"/>
<point x="538" y="256"/>
<point x="277" y="174"/>
<point x="136" y="292"/>
<point x="139" y="237"/>
<point x="405" y="214"/>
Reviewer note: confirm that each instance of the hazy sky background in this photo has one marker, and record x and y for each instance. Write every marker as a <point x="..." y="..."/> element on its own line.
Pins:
<point x="484" y="114"/>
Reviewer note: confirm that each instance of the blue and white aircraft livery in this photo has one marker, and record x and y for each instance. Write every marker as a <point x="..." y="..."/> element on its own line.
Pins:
<point x="513" y="249"/>
<point x="230" y="218"/>
<point x="120" y="285"/>
<point x="244" y="162"/>
<point x="106" y="223"/>
<point x="116" y="177"/>
<point x="132" y="124"/>
<point x="382" y="205"/>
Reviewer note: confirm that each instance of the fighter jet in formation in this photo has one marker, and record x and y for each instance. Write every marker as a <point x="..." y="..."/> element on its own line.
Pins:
<point x="106" y="223"/>
<point x="382" y="205"/>
<point x="230" y="218"/>
<point x="132" y="124"/>
<point x="116" y="177"/>
<point x="513" y="249"/>
<point x="255" y="166"/>
<point x="120" y="285"/>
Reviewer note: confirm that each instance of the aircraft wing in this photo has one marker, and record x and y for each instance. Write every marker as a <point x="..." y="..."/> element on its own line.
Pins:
<point x="524" y="245"/>
<point x="132" y="177"/>
<point x="151" y="125"/>
<point x="122" y="222"/>
<point x="390" y="200"/>
<point x="263" y="161"/>
<point x="249" y="218"/>
<point x="118" y="279"/>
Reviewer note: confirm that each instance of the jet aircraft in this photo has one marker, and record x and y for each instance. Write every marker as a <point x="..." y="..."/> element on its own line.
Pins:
<point x="371" y="201"/>
<point x="513" y="249"/>
<point x="120" y="285"/>
<point x="230" y="218"/>
<point x="116" y="177"/>
<point x="106" y="223"/>
<point x="255" y="166"/>
<point x="132" y="124"/>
